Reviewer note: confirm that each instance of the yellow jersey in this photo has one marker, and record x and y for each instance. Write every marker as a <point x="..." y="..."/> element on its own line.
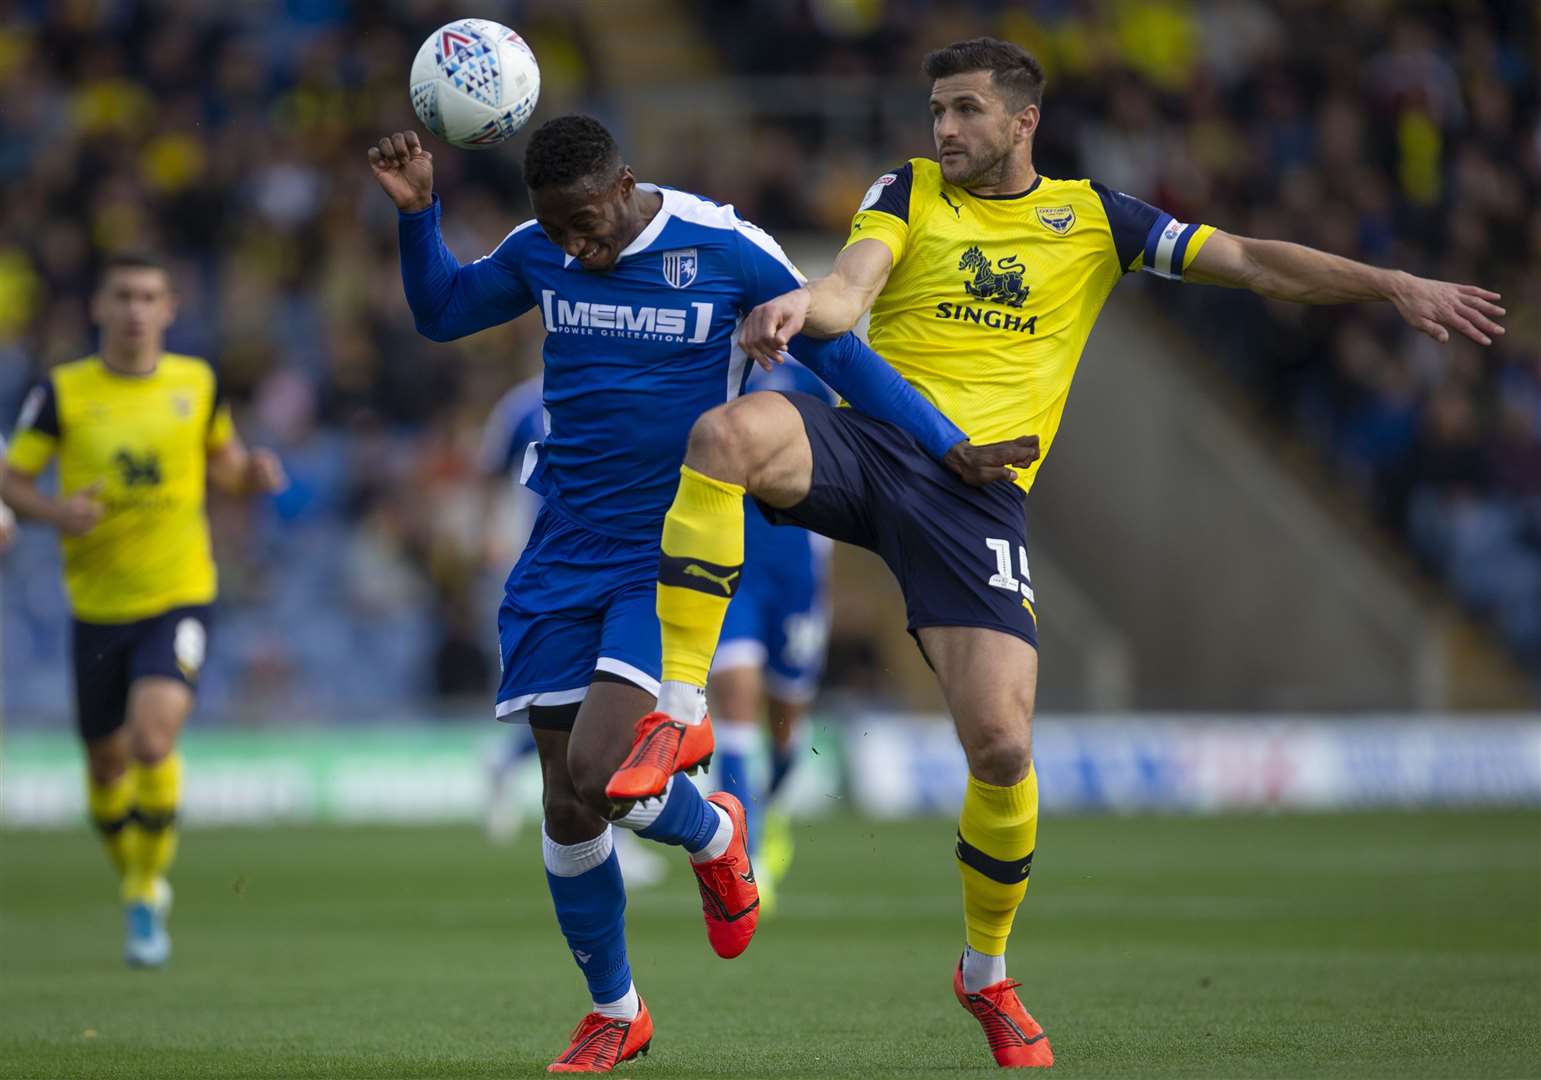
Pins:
<point x="146" y="440"/>
<point x="991" y="298"/>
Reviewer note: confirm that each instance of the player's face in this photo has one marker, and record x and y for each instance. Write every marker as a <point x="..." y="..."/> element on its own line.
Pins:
<point x="134" y="305"/>
<point x="591" y="220"/>
<point x="974" y="131"/>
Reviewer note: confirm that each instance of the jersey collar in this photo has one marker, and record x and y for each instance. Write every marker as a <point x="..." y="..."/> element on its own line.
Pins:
<point x="1018" y="195"/>
<point x="646" y="237"/>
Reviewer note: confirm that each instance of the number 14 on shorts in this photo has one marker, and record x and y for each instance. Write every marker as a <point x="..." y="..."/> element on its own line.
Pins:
<point x="1003" y="578"/>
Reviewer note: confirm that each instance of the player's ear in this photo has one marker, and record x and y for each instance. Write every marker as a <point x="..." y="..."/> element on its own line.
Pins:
<point x="1025" y="124"/>
<point x="627" y="181"/>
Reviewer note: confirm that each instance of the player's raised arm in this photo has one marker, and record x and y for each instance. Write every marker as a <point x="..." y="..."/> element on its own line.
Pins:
<point x="824" y="307"/>
<point x="1286" y="271"/>
<point x="448" y="300"/>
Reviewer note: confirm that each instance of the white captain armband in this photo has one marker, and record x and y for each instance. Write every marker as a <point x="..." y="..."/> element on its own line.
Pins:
<point x="1166" y="246"/>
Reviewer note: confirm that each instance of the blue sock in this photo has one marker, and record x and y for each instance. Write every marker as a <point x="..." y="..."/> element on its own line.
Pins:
<point x="781" y="765"/>
<point x="685" y="819"/>
<point x="732" y="762"/>
<point x="590" y="901"/>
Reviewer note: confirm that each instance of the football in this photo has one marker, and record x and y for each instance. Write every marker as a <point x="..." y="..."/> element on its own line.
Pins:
<point x="474" y="83"/>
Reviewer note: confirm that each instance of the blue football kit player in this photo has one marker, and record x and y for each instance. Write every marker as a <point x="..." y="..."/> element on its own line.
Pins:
<point x="771" y="650"/>
<point x="640" y="290"/>
<point x="516" y="422"/>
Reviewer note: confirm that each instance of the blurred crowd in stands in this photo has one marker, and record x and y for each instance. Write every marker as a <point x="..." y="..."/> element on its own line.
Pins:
<point x="232" y="138"/>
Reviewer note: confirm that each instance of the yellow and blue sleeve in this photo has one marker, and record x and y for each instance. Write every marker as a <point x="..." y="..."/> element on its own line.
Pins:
<point x="37" y="431"/>
<point x="1147" y="238"/>
<point x="884" y="213"/>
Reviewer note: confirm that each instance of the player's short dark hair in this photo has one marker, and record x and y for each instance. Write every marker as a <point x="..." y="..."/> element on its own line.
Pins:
<point x="569" y="149"/>
<point x="1017" y="73"/>
<point x="131" y="260"/>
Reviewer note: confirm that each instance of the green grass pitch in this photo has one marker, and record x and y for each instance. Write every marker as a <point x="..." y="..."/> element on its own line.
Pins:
<point x="1387" y="945"/>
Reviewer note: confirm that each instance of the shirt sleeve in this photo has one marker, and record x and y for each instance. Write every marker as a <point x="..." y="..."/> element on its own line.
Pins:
<point x="1150" y="239"/>
<point x="884" y="213"/>
<point x="448" y="300"/>
<point x="37" y="431"/>
<point x="221" y="426"/>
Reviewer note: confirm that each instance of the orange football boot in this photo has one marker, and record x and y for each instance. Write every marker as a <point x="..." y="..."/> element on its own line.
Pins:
<point x="600" y="1043"/>
<point x="1015" y="1038"/>
<point x="661" y="747"/>
<point x="730" y="898"/>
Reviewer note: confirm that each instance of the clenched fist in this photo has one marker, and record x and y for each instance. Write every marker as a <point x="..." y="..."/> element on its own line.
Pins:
<point x="405" y="170"/>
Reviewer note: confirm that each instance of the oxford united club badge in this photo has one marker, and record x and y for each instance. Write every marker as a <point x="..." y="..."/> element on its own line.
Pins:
<point x="679" y="267"/>
<point x="1058" y="218"/>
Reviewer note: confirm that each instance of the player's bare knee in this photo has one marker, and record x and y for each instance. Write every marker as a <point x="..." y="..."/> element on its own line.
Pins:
<point x="719" y="445"/>
<point x="152" y="744"/>
<point x="567" y="818"/>
<point x="106" y="760"/>
<point x="589" y="780"/>
<point x="1000" y="755"/>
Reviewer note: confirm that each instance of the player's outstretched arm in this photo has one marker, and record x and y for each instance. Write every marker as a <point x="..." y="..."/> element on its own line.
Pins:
<point x="1286" y="271"/>
<point x="823" y="308"/>
<point x="448" y="301"/>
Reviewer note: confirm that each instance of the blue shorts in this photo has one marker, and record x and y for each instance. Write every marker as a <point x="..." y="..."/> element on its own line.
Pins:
<point x="958" y="552"/>
<point x="577" y="604"/>
<point x="779" y="618"/>
<point x="110" y="657"/>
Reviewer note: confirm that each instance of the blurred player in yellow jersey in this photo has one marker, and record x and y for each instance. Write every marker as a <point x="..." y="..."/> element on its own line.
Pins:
<point x="984" y="280"/>
<point x="137" y="432"/>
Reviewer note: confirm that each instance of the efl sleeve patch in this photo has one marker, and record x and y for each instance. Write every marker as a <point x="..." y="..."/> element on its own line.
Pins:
<point x="890" y="193"/>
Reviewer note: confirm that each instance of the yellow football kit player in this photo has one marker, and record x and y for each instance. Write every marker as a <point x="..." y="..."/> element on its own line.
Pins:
<point x="991" y="299"/>
<point x="140" y="583"/>
<point x="136" y="433"/>
<point x="984" y="280"/>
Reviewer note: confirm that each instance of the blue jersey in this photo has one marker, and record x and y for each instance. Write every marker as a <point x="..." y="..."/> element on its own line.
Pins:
<point x="635" y="354"/>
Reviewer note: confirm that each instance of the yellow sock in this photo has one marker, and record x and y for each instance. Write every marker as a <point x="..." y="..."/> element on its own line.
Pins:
<point x="159" y="796"/>
<point x="996" y="836"/>
<point x="112" y="812"/>
<point x="698" y="572"/>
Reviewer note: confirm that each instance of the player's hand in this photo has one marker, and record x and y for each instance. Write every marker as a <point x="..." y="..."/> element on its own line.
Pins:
<point x="7" y="528"/>
<point x="265" y="473"/>
<point x="405" y="170"/>
<point x="79" y="513"/>
<point x="1438" y="307"/>
<point x="981" y="465"/>
<point x="769" y="328"/>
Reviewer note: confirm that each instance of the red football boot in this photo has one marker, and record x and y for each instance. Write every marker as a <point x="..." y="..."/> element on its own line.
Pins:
<point x="661" y="747"/>
<point x="600" y="1043"/>
<point x="729" y="896"/>
<point x="1015" y="1038"/>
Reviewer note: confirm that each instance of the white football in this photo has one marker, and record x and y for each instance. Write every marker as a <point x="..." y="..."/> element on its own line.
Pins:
<point x="474" y="83"/>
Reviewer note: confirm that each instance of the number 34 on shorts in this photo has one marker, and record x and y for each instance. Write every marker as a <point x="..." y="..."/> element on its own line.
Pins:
<point x="1003" y="578"/>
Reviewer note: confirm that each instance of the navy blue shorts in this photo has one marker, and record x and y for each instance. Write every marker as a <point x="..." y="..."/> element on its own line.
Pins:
<point x="110" y="657"/>
<point x="958" y="552"/>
